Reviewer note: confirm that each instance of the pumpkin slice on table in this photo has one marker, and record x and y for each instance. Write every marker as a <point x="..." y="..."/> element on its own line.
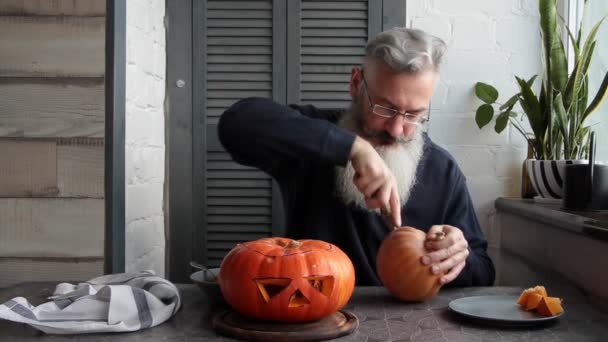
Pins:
<point x="536" y="298"/>
<point x="533" y="300"/>
<point x="550" y="306"/>
<point x="523" y="298"/>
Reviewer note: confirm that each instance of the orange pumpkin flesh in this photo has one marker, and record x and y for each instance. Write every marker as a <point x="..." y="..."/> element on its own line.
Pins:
<point x="280" y="279"/>
<point x="533" y="300"/>
<point x="550" y="306"/>
<point x="536" y="298"/>
<point x="523" y="298"/>
<point x="400" y="268"/>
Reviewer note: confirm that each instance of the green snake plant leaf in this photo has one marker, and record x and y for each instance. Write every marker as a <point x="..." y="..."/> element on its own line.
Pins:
<point x="582" y="67"/>
<point x="501" y="122"/>
<point x="599" y="97"/>
<point x="484" y="115"/>
<point x="486" y="92"/>
<point x="530" y="105"/>
<point x="555" y="54"/>
<point x="562" y="120"/>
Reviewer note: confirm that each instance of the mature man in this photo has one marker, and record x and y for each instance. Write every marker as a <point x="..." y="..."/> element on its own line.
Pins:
<point x="338" y="170"/>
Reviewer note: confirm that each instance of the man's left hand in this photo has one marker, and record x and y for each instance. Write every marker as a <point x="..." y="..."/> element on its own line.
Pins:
<point x="448" y="255"/>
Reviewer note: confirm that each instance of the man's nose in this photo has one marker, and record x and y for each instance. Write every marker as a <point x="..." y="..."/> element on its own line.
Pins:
<point x="397" y="126"/>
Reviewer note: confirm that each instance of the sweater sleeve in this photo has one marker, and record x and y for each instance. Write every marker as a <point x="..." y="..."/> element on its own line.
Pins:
<point x="261" y="133"/>
<point x="479" y="269"/>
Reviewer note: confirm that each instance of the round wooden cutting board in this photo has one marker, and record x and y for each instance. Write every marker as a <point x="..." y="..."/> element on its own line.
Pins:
<point x="233" y="324"/>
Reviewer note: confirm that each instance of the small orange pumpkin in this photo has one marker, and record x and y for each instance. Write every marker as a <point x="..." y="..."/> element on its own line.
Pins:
<point x="280" y="279"/>
<point x="400" y="268"/>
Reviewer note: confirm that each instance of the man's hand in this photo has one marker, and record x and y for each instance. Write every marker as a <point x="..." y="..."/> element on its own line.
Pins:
<point x="447" y="255"/>
<point x="375" y="180"/>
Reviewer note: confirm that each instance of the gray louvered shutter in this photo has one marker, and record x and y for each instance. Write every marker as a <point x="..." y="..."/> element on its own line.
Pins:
<point x="238" y="62"/>
<point x="331" y="36"/>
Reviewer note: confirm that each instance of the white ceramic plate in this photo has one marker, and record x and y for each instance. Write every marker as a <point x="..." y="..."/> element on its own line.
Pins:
<point x="498" y="310"/>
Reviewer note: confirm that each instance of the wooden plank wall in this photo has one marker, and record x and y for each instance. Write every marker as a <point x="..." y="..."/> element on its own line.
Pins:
<point x="51" y="140"/>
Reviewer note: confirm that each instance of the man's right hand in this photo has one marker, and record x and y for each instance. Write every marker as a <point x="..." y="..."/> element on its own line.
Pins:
<point x="375" y="180"/>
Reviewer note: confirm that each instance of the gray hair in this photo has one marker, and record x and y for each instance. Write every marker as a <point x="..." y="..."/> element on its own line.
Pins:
<point x="408" y="50"/>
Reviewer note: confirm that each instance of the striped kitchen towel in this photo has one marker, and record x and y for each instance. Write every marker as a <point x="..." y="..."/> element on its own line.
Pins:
<point x="110" y="303"/>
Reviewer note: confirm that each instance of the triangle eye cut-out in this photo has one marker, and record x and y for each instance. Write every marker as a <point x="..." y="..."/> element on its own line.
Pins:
<point x="297" y="299"/>
<point x="270" y="287"/>
<point x="323" y="284"/>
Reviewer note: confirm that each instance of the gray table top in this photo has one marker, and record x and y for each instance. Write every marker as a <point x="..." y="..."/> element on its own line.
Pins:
<point x="381" y="318"/>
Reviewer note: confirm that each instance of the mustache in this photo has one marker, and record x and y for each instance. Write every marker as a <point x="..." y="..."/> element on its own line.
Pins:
<point x="383" y="136"/>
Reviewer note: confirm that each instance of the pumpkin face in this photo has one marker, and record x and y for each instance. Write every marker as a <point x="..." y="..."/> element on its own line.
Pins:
<point x="288" y="280"/>
<point x="400" y="268"/>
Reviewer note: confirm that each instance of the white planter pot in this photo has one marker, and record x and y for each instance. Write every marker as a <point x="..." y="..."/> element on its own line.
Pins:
<point x="547" y="176"/>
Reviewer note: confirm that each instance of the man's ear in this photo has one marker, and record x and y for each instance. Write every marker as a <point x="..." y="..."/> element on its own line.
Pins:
<point x="355" y="82"/>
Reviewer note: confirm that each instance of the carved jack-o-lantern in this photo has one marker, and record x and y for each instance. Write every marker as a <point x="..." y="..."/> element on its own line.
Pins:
<point x="281" y="279"/>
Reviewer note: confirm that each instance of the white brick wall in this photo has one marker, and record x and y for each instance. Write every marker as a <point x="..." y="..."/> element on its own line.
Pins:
<point x="145" y="136"/>
<point x="489" y="41"/>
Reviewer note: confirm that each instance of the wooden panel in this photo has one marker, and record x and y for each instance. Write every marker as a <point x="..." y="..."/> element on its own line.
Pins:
<point x="54" y="7"/>
<point x="51" y="108"/>
<point x="49" y="227"/>
<point x="52" y="46"/>
<point x="28" y="168"/>
<point x="80" y="164"/>
<point x="18" y="270"/>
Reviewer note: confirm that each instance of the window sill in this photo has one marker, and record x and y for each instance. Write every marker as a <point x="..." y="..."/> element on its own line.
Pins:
<point x="590" y="224"/>
<point x="573" y="244"/>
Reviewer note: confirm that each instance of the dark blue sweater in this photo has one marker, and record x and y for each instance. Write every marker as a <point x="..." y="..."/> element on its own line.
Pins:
<point x="299" y="147"/>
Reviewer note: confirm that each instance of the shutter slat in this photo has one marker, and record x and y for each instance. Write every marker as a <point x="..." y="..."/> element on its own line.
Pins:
<point x="352" y="60"/>
<point x="227" y="165"/>
<point x="344" y="78"/>
<point x="333" y="23"/>
<point x="224" y="174"/>
<point x="334" y="5"/>
<point x="239" y="192"/>
<point x="228" y="14"/>
<point x="247" y="76"/>
<point x="330" y="41"/>
<point x="236" y="236"/>
<point x="333" y="51"/>
<point x="266" y="220"/>
<point x="344" y="32"/>
<point x="239" y="5"/>
<point x="238" y="32"/>
<point x="245" y="201"/>
<point x="324" y="86"/>
<point x="231" y="94"/>
<point x="334" y="69"/>
<point x="230" y="210"/>
<point x="239" y="85"/>
<point x="238" y="183"/>
<point x="242" y="23"/>
<point x="316" y="14"/>
<point x="239" y="50"/>
<point x="238" y="41"/>
<point x="240" y="59"/>
<point x="237" y="68"/>
<point x="324" y="95"/>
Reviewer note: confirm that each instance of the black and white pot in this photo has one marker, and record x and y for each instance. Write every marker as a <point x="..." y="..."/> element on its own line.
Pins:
<point x="547" y="176"/>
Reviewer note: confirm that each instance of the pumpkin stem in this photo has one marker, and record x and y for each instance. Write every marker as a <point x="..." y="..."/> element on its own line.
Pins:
<point x="439" y="236"/>
<point x="294" y="244"/>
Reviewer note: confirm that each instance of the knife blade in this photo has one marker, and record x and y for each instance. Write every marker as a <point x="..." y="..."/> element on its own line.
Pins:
<point x="387" y="218"/>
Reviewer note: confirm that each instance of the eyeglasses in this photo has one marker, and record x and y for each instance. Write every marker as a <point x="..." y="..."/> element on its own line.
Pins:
<point x="386" y="112"/>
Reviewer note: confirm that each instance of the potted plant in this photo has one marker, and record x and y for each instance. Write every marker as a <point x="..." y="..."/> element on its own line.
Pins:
<point x="557" y="132"/>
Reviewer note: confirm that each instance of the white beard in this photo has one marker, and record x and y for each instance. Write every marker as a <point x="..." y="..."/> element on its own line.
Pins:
<point x="402" y="160"/>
